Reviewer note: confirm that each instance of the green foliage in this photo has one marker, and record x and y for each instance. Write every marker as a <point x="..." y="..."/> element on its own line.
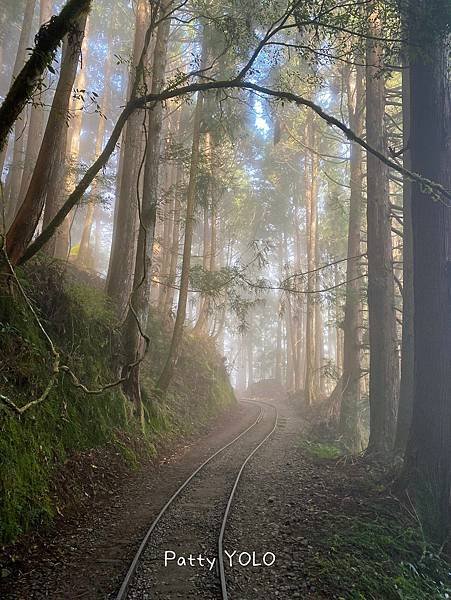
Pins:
<point x="212" y="283"/>
<point x="240" y="283"/>
<point x="200" y="388"/>
<point x="35" y="446"/>
<point x="321" y="450"/>
<point x="375" y="559"/>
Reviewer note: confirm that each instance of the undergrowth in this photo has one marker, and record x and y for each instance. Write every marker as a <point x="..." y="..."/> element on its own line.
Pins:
<point x="321" y="450"/>
<point x="369" y="547"/>
<point x="81" y="323"/>
<point x="380" y="559"/>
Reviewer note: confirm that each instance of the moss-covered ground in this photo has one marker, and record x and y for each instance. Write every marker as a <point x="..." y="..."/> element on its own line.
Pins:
<point x="365" y="543"/>
<point x="81" y="322"/>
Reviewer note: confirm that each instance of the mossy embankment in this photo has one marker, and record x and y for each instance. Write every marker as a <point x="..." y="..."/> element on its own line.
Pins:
<point x="35" y="446"/>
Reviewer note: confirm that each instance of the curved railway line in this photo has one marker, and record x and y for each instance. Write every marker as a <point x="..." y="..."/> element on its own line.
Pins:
<point x="260" y="422"/>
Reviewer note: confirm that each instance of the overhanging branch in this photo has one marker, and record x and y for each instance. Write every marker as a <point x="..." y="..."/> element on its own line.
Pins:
<point x="436" y="190"/>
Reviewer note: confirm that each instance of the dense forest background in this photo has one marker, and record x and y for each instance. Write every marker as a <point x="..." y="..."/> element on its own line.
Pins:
<point x="268" y="182"/>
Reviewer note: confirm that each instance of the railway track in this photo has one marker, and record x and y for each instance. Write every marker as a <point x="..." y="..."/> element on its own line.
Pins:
<point x="244" y="447"/>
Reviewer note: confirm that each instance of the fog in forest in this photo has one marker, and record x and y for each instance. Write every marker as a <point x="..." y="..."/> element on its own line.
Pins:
<point x="215" y="213"/>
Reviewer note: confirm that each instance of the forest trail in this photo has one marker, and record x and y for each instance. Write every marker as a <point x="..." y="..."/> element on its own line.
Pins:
<point x="295" y="505"/>
<point x="87" y="555"/>
<point x="201" y="201"/>
<point x="170" y="566"/>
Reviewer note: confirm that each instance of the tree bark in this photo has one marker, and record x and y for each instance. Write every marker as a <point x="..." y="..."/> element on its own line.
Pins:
<point x="294" y="361"/>
<point x="250" y="359"/>
<point x="407" y="348"/>
<point x="123" y="249"/>
<point x="170" y="286"/>
<point x="319" y="338"/>
<point x="174" y="349"/>
<point x="46" y="177"/>
<point x="59" y="245"/>
<point x="350" y="379"/>
<point x="428" y="463"/>
<point x="63" y="182"/>
<point x="137" y="316"/>
<point x="296" y="309"/>
<point x="311" y="375"/>
<point x="168" y="210"/>
<point x="381" y="301"/>
<point x="48" y="40"/>
<point x="241" y="376"/>
<point x="278" y="355"/>
<point x="208" y="242"/>
<point x="291" y="342"/>
<point x="17" y="163"/>
<point x="85" y="254"/>
<point x="37" y="121"/>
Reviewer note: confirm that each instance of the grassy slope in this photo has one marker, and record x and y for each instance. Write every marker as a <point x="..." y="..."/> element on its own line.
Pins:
<point x="81" y="323"/>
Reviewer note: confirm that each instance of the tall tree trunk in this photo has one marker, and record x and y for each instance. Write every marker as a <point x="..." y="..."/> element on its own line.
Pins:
<point x="16" y="167"/>
<point x="250" y="359"/>
<point x="350" y="380"/>
<point x="123" y="249"/>
<point x="339" y="350"/>
<point x="279" y="341"/>
<point x="170" y="286"/>
<point x="339" y="328"/>
<point x="311" y="377"/>
<point x="429" y="447"/>
<point x="302" y="311"/>
<point x="319" y="341"/>
<point x="137" y="316"/>
<point x="213" y="250"/>
<point x="78" y="104"/>
<point x="241" y="377"/>
<point x="407" y="348"/>
<point x="52" y="152"/>
<point x="59" y="245"/>
<point x="278" y="356"/>
<point x="174" y="349"/>
<point x="3" y="33"/>
<point x="64" y="180"/>
<point x="208" y="242"/>
<point x="384" y="368"/>
<point x="168" y="210"/>
<point x="43" y="52"/>
<point x="85" y="253"/>
<point x="319" y="325"/>
<point x="37" y="121"/>
<point x="291" y="342"/>
<point x="296" y="310"/>
<point x="294" y="345"/>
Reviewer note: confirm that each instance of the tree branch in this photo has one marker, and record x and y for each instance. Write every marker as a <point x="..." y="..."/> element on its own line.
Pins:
<point x="436" y="190"/>
<point x="48" y="40"/>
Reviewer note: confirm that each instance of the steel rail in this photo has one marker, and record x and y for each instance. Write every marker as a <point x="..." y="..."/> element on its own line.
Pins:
<point x="122" y="594"/>
<point x="222" y="576"/>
